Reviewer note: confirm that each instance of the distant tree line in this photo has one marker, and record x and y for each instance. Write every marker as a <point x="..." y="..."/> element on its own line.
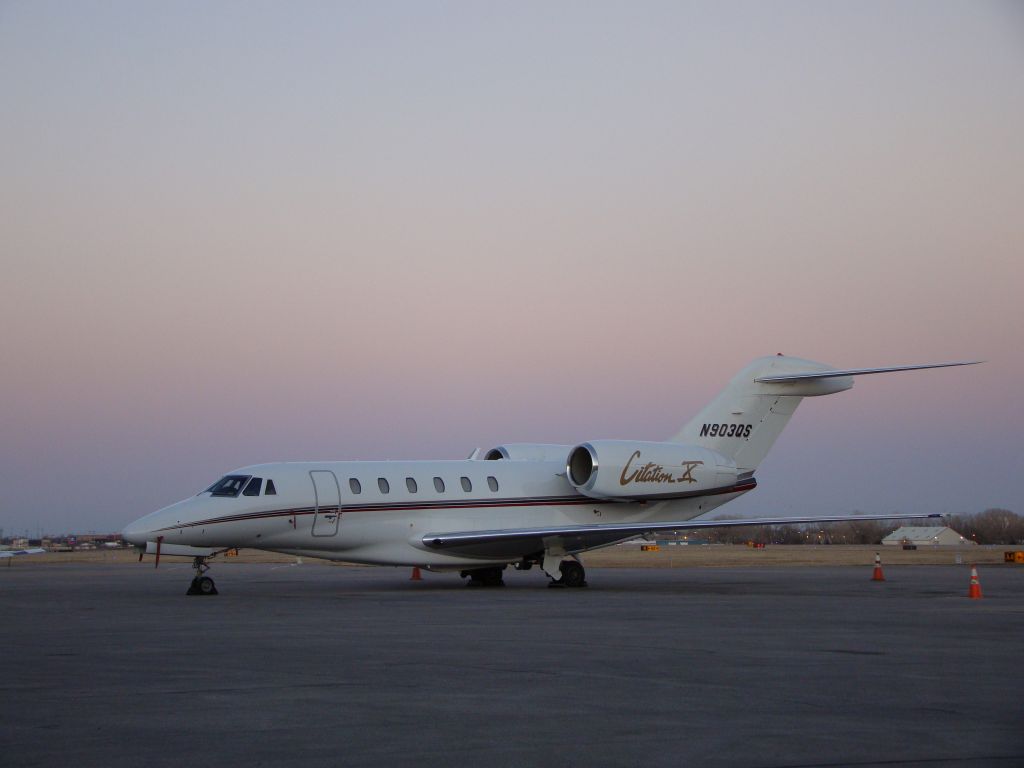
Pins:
<point x="993" y="526"/>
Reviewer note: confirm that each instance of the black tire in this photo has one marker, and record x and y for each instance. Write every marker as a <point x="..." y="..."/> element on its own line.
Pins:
<point x="573" y="574"/>
<point x="206" y="586"/>
<point x="486" y="577"/>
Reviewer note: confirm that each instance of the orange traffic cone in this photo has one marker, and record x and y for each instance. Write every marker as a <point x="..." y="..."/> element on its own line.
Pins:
<point x="974" y="592"/>
<point x="415" y="574"/>
<point x="878" y="575"/>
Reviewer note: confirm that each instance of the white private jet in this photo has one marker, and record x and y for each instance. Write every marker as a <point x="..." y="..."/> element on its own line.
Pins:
<point x="520" y="504"/>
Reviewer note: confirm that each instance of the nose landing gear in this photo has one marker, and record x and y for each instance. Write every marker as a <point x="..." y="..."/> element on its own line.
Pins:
<point x="201" y="583"/>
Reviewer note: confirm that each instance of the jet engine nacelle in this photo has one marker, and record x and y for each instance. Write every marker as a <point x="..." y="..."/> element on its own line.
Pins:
<point x="629" y="470"/>
<point x="529" y="452"/>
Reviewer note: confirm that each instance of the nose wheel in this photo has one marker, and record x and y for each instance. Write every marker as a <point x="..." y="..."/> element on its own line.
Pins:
<point x="201" y="583"/>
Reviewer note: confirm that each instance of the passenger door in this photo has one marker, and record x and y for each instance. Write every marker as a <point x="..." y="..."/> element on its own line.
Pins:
<point x="327" y="511"/>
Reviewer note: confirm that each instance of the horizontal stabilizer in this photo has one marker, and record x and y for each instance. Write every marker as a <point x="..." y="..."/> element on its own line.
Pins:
<point x="781" y="378"/>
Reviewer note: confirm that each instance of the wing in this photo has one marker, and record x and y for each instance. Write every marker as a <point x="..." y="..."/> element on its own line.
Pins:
<point x="13" y="552"/>
<point x="514" y="543"/>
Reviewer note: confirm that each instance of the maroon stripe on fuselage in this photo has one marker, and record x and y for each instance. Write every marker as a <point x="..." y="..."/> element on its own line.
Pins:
<point x="406" y="506"/>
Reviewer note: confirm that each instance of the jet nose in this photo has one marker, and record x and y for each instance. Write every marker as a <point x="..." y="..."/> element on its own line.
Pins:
<point x="154" y="524"/>
<point x="135" y="533"/>
<point x="142" y="530"/>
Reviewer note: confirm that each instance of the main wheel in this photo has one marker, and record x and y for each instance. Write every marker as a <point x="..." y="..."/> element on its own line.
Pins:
<point x="206" y="586"/>
<point x="573" y="574"/>
<point x="486" y="577"/>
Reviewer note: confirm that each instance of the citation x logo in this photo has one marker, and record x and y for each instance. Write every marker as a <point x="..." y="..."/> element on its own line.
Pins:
<point x="655" y="473"/>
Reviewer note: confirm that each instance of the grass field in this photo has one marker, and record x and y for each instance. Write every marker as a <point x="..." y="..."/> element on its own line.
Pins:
<point x="630" y="556"/>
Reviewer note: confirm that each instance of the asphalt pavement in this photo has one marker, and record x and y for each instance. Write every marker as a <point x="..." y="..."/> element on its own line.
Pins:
<point x="308" y="666"/>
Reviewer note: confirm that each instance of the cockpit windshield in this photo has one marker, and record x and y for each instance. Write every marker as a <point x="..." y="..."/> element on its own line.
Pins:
<point x="229" y="485"/>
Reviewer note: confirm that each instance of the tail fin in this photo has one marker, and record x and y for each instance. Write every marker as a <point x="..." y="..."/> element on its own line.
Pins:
<point x="747" y="417"/>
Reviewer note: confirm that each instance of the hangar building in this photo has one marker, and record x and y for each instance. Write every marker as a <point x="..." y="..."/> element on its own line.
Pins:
<point x="936" y="536"/>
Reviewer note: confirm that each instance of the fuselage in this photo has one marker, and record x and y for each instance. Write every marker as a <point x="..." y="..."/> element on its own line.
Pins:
<point x="378" y="512"/>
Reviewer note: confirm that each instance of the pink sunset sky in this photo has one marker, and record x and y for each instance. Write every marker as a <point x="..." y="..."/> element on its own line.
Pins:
<point x="243" y="232"/>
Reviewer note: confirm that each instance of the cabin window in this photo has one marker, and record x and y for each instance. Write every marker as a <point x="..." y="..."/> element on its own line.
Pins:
<point x="383" y="484"/>
<point x="466" y="485"/>
<point x="410" y="484"/>
<point x="270" y="490"/>
<point x="354" y="485"/>
<point x="253" y="488"/>
<point x="492" y="483"/>
<point x="230" y="485"/>
<point x="439" y="485"/>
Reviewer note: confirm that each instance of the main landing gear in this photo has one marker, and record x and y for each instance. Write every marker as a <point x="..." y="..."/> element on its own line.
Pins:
<point x="572" y="575"/>
<point x="485" y="577"/>
<point x="201" y="584"/>
<point x="568" y="572"/>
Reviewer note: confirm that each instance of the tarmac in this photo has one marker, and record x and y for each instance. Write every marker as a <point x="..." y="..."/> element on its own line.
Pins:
<point x="112" y="665"/>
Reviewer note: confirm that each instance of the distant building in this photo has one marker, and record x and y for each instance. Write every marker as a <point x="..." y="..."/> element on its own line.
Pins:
<point x="936" y="536"/>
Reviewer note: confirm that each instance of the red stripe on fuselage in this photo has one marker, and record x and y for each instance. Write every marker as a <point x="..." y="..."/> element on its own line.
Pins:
<point x="411" y="506"/>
